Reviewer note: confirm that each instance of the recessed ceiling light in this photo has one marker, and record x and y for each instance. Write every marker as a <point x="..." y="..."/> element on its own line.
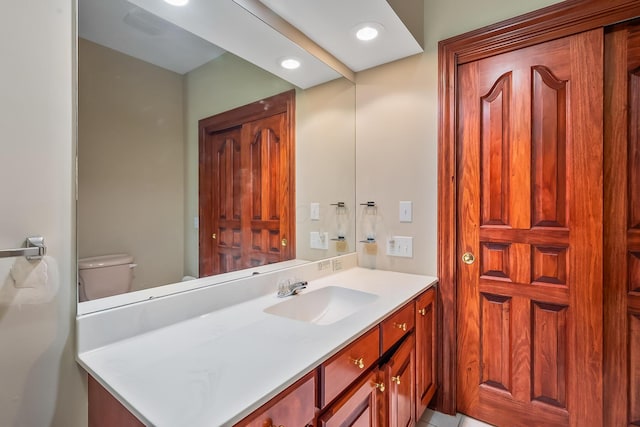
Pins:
<point x="290" y="63"/>
<point x="177" y="2"/>
<point x="369" y="31"/>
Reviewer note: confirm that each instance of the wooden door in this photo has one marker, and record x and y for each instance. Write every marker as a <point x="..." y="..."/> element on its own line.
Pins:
<point x="530" y="212"/>
<point x="400" y="378"/>
<point x="266" y="237"/>
<point x="622" y="226"/>
<point x="425" y="350"/>
<point x="222" y="223"/>
<point x="246" y="186"/>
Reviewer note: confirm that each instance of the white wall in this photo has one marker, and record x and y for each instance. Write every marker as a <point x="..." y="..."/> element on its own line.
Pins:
<point x="130" y="163"/>
<point x="396" y="132"/>
<point x="40" y="383"/>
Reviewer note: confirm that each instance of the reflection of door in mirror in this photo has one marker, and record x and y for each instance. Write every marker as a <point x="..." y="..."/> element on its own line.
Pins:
<point x="246" y="192"/>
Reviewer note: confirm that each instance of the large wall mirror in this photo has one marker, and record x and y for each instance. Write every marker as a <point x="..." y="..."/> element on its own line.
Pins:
<point x="138" y="143"/>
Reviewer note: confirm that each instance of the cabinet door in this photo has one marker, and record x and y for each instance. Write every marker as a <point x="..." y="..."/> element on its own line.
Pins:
<point x="359" y="407"/>
<point x="293" y="407"/>
<point x="425" y="349"/>
<point x="400" y="375"/>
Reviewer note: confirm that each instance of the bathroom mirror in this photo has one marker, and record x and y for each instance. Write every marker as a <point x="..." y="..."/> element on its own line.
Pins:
<point x="138" y="144"/>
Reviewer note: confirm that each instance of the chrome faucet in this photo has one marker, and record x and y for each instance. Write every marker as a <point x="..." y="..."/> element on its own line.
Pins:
<point x="288" y="288"/>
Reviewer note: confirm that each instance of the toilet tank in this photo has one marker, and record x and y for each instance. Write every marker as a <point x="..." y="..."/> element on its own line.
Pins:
<point x="105" y="275"/>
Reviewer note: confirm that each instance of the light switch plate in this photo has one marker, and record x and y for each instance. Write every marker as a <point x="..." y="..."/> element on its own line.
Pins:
<point x="314" y="211"/>
<point x="401" y="246"/>
<point x="406" y="211"/>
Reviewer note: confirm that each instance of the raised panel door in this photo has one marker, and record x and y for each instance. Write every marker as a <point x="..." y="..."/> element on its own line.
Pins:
<point x="425" y="331"/>
<point x="530" y="232"/>
<point x="622" y="225"/>
<point x="400" y="379"/>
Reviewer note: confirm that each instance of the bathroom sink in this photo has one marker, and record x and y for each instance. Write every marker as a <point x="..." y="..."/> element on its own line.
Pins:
<point x="323" y="306"/>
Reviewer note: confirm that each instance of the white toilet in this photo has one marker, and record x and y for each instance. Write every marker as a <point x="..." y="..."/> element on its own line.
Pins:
<point x="105" y="275"/>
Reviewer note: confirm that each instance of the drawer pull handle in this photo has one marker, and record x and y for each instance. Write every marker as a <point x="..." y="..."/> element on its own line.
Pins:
<point x="422" y="311"/>
<point x="402" y="326"/>
<point x="358" y="362"/>
<point x="396" y="379"/>
<point x="380" y="386"/>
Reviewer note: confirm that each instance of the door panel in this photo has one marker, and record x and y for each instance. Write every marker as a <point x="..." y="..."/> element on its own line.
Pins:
<point x="530" y="210"/>
<point x="622" y="225"/>
<point x="269" y="186"/>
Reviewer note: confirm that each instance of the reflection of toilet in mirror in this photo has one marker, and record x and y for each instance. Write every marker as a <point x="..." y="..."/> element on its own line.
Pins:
<point x="105" y="275"/>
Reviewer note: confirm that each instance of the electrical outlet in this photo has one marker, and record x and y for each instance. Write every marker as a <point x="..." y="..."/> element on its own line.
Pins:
<point x="337" y="264"/>
<point x="319" y="240"/>
<point x="400" y="246"/>
<point x="324" y="265"/>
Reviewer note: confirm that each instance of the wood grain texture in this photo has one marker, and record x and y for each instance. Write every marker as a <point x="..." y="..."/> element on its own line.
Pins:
<point x="621" y="243"/>
<point x="105" y="410"/>
<point x="400" y="379"/>
<point x="247" y="186"/>
<point x="562" y="19"/>
<point x="426" y="349"/>
<point x="342" y="369"/>
<point x="396" y="326"/>
<point x="359" y="406"/>
<point x="524" y="344"/>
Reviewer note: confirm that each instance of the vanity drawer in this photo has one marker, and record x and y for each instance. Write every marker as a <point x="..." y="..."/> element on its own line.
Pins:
<point x="337" y="373"/>
<point x="293" y="407"/>
<point x="396" y="326"/>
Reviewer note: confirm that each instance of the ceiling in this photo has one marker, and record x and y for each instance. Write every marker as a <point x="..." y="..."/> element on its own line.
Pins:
<point x="183" y="38"/>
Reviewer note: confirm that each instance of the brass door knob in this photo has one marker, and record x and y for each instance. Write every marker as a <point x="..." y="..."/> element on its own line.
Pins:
<point x="396" y="379"/>
<point x="468" y="258"/>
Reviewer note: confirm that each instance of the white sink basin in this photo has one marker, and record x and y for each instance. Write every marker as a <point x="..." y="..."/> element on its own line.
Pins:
<point x="323" y="306"/>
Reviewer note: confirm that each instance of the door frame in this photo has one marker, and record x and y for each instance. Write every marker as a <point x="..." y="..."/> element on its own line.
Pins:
<point x="556" y="21"/>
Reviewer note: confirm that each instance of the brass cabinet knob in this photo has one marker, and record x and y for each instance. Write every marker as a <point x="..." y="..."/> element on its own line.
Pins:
<point x="358" y="362"/>
<point x="422" y="311"/>
<point x="396" y="379"/>
<point x="284" y="242"/>
<point x="380" y="387"/>
<point x="269" y="423"/>
<point x="213" y="236"/>
<point x="468" y="258"/>
<point x="402" y="326"/>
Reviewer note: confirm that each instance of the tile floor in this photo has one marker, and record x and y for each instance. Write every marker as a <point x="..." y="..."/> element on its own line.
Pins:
<point x="438" y="419"/>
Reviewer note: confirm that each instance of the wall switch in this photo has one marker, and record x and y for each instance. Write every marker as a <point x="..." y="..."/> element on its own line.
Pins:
<point x="406" y="211"/>
<point x="324" y="265"/>
<point x="319" y="240"/>
<point x="314" y="211"/>
<point x="401" y="246"/>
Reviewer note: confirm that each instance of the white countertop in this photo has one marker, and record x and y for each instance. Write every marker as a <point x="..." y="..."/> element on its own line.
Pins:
<point x="215" y="369"/>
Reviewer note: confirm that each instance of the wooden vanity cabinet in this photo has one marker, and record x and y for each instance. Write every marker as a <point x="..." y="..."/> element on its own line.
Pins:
<point x="293" y="407"/>
<point x="426" y="346"/>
